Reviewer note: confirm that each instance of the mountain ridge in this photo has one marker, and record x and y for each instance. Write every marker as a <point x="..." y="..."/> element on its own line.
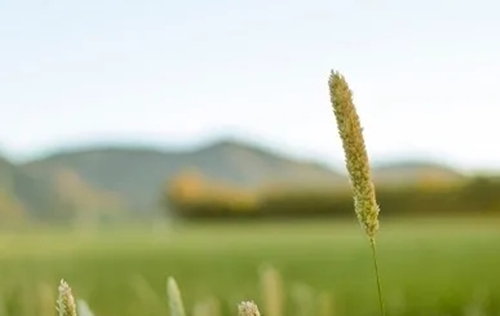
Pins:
<point x="140" y="172"/>
<point x="133" y="176"/>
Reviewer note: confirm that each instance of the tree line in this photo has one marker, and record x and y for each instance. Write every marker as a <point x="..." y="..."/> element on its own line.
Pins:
<point x="189" y="195"/>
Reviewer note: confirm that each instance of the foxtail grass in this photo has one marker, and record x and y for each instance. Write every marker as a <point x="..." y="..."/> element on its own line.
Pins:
<point x="66" y="305"/>
<point x="174" y="298"/>
<point x="248" y="308"/>
<point x="357" y="164"/>
<point x="273" y="296"/>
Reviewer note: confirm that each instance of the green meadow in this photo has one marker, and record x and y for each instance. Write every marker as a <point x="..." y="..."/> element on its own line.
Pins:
<point x="428" y="267"/>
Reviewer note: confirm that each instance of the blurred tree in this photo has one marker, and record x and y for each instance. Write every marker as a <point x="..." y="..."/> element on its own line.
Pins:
<point x="190" y="194"/>
<point x="187" y="185"/>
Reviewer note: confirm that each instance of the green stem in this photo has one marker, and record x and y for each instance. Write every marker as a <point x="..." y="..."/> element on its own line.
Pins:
<point x="377" y="275"/>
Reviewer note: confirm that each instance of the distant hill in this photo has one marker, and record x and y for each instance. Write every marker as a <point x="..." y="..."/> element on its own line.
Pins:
<point x="410" y="172"/>
<point x="104" y="181"/>
<point x="137" y="175"/>
<point x="28" y="192"/>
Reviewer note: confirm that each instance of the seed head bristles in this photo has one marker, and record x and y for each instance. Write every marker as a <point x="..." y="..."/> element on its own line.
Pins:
<point x="175" y="298"/>
<point x="357" y="163"/>
<point x="65" y="302"/>
<point x="248" y="308"/>
<point x="356" y="157"/>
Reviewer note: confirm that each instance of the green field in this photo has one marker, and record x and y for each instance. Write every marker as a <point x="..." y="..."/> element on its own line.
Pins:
<point x="433" y="267"/>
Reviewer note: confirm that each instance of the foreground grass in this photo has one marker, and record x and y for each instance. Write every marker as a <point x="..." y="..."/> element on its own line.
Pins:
<point x="438" y="267"/>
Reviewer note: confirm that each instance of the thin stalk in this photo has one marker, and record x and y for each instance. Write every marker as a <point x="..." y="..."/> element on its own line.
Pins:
<point x="357" y="163"/>
<point x="377" y="276"/>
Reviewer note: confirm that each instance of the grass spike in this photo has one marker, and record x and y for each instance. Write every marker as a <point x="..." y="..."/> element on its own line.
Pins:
<point x="65" y="302"/>
<point x="357" y="163"/>
<point x="273" y="294"/>
<point x="248" y="308"/>
<point x="175" y="298"/>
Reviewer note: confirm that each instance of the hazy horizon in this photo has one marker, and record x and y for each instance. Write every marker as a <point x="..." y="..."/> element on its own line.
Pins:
<point x="336" y="165"/>
<point x="186" y="74"/>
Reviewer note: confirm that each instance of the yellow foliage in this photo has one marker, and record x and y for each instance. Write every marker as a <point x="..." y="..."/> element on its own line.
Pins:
<point x="190" y="188"/>
<point x="186" y="186"/>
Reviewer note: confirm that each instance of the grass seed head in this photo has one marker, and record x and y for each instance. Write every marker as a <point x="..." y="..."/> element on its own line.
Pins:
<point x="175" y="298"/>
<point x="356" y="157"/>
<point x="65" y="302"/>
<point x="273" y="295"/>
<point x="248" y="308"/>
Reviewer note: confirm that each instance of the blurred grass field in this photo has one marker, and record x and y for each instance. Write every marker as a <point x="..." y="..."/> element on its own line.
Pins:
<point x="428" y="267"/>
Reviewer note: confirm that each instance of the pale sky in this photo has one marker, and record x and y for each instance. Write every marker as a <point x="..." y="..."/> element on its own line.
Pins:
<point x="425" y="74"/>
